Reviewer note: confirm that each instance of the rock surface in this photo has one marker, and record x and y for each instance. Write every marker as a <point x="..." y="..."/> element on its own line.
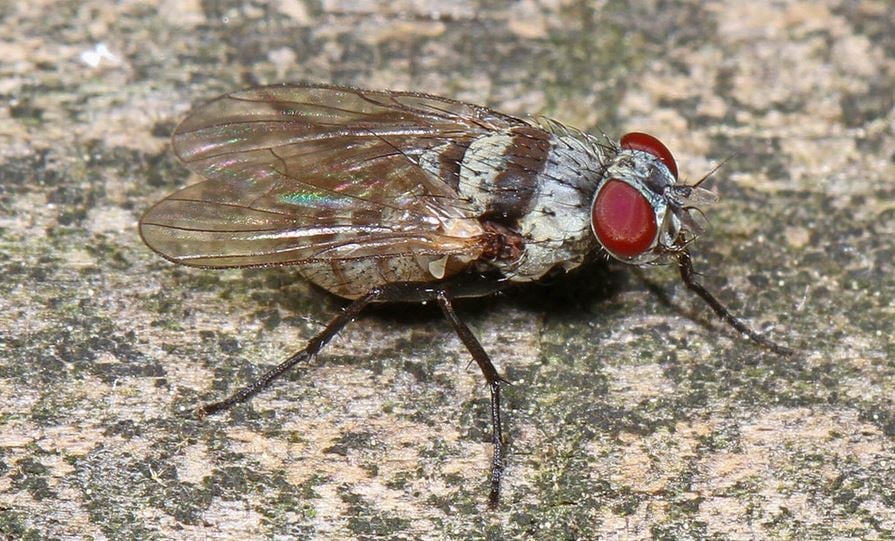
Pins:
<point x="632" y="415"/>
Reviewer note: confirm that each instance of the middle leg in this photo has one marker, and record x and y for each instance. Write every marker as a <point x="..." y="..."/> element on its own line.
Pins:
<point x="494" y="382"/>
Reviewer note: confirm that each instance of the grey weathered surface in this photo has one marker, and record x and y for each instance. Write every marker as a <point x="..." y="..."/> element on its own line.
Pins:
<point x="629" y="418"/>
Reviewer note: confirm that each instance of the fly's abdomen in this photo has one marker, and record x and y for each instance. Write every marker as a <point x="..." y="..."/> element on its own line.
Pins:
<point x="354" y="277"/>
<point x="424" y="257"/>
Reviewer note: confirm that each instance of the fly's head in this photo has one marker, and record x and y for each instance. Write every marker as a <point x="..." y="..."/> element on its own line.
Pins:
<point x="640" y="214"/>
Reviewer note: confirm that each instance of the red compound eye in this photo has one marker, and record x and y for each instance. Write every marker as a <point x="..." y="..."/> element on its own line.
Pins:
<point x="623" y="220"/>
<point x="647" y="143"/>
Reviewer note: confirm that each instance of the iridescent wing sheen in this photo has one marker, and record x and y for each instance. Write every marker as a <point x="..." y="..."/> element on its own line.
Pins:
<point x="301" y="173"/>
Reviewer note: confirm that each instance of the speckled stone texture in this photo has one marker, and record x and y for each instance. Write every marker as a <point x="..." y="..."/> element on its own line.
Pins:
<point x="634" y="413"/>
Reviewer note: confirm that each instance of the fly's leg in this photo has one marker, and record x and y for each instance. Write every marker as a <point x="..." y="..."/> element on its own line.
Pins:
<point x="494" y="382"/>
<point x="688" y="275"/>
<point x="401" y="292"/>
<point x="314" y="346"/>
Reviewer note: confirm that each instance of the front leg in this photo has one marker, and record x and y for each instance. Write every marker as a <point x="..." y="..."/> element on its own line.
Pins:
<point x="688" y="275"/>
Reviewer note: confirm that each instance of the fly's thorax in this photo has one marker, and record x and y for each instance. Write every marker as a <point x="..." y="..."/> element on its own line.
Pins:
<point x="538" y="186"/>
<point x="500" y="172"/>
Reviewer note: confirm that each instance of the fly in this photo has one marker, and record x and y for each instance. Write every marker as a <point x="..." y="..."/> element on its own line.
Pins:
<point x="381" y="196"/>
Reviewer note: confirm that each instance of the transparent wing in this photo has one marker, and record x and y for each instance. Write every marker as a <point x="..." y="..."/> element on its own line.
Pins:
<point x="300" y="173"/>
